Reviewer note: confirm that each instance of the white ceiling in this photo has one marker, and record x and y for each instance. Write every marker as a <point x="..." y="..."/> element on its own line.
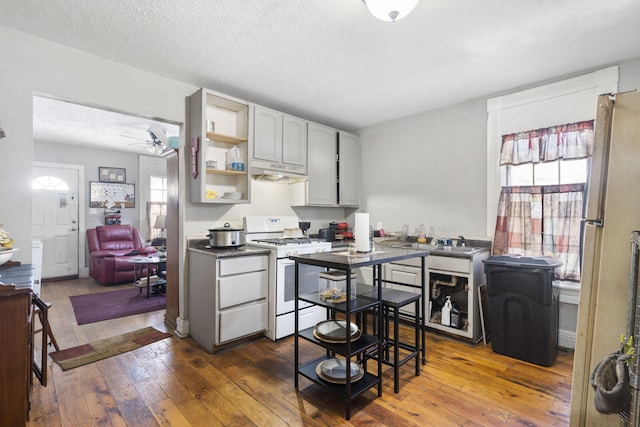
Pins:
<point x="67" y="123"/>
<point x="330" y="60"/>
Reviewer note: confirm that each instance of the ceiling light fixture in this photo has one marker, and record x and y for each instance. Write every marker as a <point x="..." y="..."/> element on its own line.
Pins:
<point x="390" y="10"/>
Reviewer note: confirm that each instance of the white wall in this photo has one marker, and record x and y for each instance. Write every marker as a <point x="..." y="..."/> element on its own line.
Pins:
<point x="428" y="169"/>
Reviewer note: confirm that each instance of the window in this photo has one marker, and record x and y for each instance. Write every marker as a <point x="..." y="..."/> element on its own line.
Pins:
<point x="551" y="173"/>
<point x="158" y="189"/>
<point x="541" y="206"/>
<point x="49" y="183"/>
<point x="157" y="205"/>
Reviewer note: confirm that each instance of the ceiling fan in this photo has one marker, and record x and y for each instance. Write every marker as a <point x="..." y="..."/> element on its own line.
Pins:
<point x="158" y="142"/>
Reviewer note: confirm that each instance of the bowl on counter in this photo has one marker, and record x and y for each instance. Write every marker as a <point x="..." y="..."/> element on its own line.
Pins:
<point x="6" y="254"/>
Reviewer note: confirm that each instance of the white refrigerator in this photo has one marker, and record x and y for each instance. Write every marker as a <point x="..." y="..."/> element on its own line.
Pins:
<point x="612" y="214"/>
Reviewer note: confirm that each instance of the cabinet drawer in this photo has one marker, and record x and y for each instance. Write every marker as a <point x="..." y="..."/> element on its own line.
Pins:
<point x="460" y="265"/>
<point x="242" y="264"/>
<point x="242" y="288"/>
<point x="415" y="262"/>
<point x="242" y="321"/>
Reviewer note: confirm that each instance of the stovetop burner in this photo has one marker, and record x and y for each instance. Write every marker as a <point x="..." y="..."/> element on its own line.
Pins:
<point x="288" y="241"/>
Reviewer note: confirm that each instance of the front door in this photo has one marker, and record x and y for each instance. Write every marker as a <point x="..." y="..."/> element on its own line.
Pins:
<point x="55" y="219"/>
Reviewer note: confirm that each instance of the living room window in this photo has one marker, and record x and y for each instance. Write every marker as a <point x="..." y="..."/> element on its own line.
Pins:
<point x="157" y="206"/>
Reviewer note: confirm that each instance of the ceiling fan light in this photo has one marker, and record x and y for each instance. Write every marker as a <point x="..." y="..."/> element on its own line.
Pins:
<point x="390" y="10"/>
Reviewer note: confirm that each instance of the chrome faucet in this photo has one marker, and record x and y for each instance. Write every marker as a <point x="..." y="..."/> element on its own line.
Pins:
<point x="461" y="241"/>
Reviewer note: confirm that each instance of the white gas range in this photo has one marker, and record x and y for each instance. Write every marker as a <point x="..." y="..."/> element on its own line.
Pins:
<point x="268" y="232"/>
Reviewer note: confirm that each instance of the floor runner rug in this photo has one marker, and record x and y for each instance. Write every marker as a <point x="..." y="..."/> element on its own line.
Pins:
<point x="88" y="353"/>
<point x="113" y="304"/>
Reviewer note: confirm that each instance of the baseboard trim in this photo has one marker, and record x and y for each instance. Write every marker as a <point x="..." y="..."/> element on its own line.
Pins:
<point x="566" y="339"/>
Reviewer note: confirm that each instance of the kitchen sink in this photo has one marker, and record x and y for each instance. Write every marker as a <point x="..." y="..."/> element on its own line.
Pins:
<point x="438" y="248"/>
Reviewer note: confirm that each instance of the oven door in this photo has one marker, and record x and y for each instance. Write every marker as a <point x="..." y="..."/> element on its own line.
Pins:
<point x="286" y="282"/>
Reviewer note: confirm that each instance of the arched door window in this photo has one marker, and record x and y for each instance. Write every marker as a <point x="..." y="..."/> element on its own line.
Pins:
<point x="49" y="183"/>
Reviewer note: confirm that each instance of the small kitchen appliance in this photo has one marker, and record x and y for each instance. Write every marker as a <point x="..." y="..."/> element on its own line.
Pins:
<point x="268" y="232"/>
<point x="226" y="237"/>
<point x="304" y="226"/>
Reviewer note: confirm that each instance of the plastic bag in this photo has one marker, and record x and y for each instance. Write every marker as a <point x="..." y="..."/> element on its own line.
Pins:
<point x="610" y="380"/>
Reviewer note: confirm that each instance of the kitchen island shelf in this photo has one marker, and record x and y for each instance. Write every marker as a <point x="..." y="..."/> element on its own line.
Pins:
<point x="357" y="304"/>
<point x="308" y="370"/>
<point x="352" y="309"/>
<point x="359" y="345"/>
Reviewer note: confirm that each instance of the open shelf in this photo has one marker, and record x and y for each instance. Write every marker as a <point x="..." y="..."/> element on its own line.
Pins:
<point x="358" y="387"/>
<point x="229" y="139"/>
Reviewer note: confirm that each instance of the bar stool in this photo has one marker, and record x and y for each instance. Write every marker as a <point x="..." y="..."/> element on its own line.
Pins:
<point x="392" y="301"/>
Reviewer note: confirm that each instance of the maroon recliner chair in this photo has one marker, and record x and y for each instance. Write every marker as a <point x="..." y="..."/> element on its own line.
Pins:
<point x="109" y="248"/>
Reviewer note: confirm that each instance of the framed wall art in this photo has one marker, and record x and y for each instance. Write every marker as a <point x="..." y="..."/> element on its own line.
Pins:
<point x="111" y="195"/>
<point x="118" y="175"/>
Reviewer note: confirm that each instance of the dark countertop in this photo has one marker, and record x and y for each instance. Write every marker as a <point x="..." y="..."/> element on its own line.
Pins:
<point x="202" y="246"/>
<point x="341" y="260"/>
<point x="467" y="252"/>
<point x="448" y="251"/>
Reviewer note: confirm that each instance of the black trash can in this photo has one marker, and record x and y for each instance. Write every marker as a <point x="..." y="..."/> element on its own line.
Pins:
<point x="523" y="307"/>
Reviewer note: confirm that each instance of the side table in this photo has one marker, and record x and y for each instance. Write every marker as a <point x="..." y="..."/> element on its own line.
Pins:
<point x="139" y="265"/>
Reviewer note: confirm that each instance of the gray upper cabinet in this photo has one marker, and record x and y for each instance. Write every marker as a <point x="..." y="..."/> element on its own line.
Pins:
<point x="212" y="180"/>
<point x="280" y="140"/>
<point x="332" y="167"/>
<point x="348" y="170"/>
<point x="294" y="141"/>
<point x="267" y="140"/>
<point x="322" y="166"/>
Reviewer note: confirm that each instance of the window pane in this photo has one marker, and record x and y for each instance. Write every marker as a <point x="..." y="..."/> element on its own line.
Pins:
<point x="572" y="171"/>
<point x="521" y="175"/>
<point x="157" y="183"/>
<point x="546" y="173"/>
<point x="157" y="196"/>
<point x="158" y="189"/>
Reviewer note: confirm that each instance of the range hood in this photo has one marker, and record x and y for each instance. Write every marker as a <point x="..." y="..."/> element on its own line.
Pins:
<point x="277" y="173"/>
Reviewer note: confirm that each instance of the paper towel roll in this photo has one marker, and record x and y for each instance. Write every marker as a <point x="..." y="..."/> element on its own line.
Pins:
<point x="361" y="233"/>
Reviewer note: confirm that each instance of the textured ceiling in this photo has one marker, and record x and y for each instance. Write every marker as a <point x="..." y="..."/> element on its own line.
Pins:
<point x="330" y="60"/>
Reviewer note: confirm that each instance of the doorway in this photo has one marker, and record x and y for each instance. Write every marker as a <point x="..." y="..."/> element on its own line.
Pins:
<point x="56" y="220"/>
<point x="91" y="137"/>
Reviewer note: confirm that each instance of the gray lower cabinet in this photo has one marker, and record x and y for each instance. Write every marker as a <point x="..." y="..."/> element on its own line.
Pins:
<point x="458" y="278"/>
<point x="227" y="298"/>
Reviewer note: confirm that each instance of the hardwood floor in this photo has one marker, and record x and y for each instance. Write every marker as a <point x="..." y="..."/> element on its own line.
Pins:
<point x="174" y="382"/>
